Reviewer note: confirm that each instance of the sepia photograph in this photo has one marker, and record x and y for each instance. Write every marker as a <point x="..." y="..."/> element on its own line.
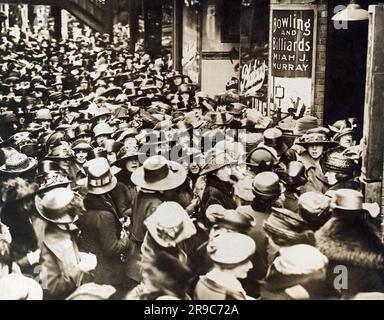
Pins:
<point x="191" y="150"/>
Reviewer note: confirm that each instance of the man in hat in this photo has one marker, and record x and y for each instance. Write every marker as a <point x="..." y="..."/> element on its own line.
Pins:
<point x="102" y="231"/>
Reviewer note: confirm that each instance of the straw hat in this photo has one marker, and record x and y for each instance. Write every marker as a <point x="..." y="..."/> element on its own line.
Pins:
<point x="316" y="136"/>
<point x="52" y="207"/>
<point x="170" y="224"/>
<point x="217" y="161"/>
<point x="158" y="174"/>
<point x="16" y="163"/>
<point x="100" y="178"/>
<point x="102" y="129"/>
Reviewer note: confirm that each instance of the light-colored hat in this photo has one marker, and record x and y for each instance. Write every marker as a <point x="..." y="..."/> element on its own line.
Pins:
<point x="52" y="206"/>
<point x="218" y="161"/>
<point x="267" y="184"/>
<point x="170" y="224"/>
<point x="348" y="200"/>
<point x="100" y="178"/>
<point x="158" y="174"/>
<point x="102" y="129"/>
<point x="43" y="115"/>
<point x="300" y="259"/>
<point x="316" y="136"/>
<point x="16" y="286"/>
<point x="16" y="163"/>
<point x="231" y="248"/>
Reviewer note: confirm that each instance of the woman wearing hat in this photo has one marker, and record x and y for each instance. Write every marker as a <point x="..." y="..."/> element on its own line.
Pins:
<point x="128" y="161"/>
<point x="154" y="178"/>
<point x="341" y="171"/>
<point x="102" y="231"/>
<point x="351" y="238"/>
<point x="230" y="253"/>
<point x="298" y="273"/>
<point x="16" y="214"/>
<point x="64" y="267"/>
<point x="220" y="182"/>
<point x="80" y="149"/>
<point x="315" y="141"/>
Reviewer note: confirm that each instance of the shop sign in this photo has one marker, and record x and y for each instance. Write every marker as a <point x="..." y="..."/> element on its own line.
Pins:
<point x="292" y="43"/>
<point x="252" y="77"/>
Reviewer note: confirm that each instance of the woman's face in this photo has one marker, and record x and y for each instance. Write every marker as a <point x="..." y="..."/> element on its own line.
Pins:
<point x="81" y="156"/>
<point x="316" y="151"/>
<point x="101" y="139"/>
<point x="132" y="164"/>
<point x="241" y="271"/>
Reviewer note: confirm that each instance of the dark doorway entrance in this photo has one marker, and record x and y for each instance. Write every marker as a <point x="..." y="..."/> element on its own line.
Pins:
<point x="346" y="68"/>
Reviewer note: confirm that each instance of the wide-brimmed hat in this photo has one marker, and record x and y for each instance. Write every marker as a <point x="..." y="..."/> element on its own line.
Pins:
<point x="81" y="145"/>
<point x="304" y="124"/>
<point x="316" y="136"/>
<point x="100" y="179"/>
<point x="62" y="151"/>
<point x="170" y="224"/>
<point x="43" y="115"/>
<point x="126" y="153"/>
<point x="267" y="185"/>
<point x="102" y="129"/>
<point x="129" y="132"/>
<point x="217" y="161"/>
<point x="158" y="174"/>
<point x="100" y="112"/>
<point x="348" y="200"/>
<point x="17" y="163"/>
<point x="337" y="162"/>
<point x="52" y="207"/>
<point x="236" y="220"/>
<point x="231" y="248"/>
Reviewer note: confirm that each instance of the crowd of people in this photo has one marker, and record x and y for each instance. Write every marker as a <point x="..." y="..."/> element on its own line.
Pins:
<point x="120" y="179"/>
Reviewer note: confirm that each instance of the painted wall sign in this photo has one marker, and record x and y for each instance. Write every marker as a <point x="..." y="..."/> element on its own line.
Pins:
<point x="292" y="43"/>
<point x="252" y="77"/>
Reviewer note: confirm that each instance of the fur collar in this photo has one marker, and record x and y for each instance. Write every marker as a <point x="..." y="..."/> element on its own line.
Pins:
<point x="352" y="242"/>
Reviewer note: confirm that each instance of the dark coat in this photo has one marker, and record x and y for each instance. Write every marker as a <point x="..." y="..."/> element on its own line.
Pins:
<point x="216" y="192"/>
<point x="100" y="235"/>
<point x="122" y="197"/>
<point x="315" y="175"/>
<point x="260" y="258"/>
<point x="130" y="192"/>
<point x="354" y="243"/>
<point x="145" y="204"/>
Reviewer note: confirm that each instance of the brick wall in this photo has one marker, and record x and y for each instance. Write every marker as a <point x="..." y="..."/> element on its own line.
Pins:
<point x="321" y="42"/>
